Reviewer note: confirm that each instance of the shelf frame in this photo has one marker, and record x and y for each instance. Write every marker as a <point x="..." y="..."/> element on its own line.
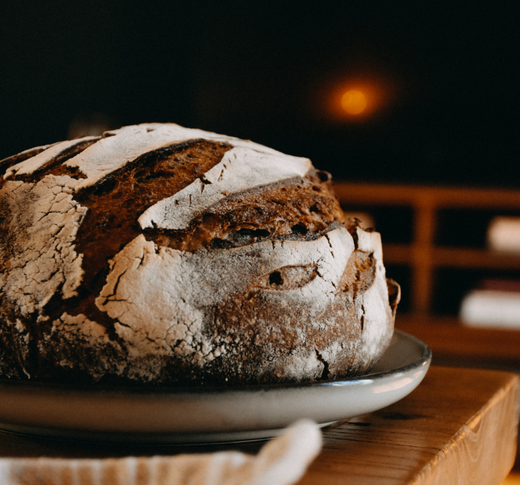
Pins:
<point x="422" y="255"/>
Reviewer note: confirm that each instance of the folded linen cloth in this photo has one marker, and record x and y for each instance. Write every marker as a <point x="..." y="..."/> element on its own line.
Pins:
<point x="282" y="461"/>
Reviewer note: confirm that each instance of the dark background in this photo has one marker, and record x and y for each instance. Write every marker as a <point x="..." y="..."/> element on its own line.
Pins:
<point x="449" y="74"/>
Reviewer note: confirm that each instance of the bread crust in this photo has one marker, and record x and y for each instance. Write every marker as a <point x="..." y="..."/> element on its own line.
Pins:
<point x="164" y="255"/>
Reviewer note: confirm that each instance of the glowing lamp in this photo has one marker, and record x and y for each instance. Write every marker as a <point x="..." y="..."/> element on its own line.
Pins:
<point x="354" y="102"/>
<point x="357" y="100"/>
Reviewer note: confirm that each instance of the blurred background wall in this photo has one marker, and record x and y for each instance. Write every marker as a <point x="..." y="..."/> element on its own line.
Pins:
<point x="439" y="81"/>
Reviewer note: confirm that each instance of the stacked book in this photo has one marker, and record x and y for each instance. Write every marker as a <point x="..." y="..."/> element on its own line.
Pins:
<point x="496" y="302"/>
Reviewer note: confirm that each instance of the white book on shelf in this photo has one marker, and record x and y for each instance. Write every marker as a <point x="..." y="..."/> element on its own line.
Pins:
<point x="491" y="308"/>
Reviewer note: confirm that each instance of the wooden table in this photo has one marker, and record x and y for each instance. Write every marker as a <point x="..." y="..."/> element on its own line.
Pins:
<point x="458" y="427"/>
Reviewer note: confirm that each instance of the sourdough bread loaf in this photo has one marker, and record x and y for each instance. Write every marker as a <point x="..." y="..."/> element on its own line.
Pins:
<point x="157" y="254"/>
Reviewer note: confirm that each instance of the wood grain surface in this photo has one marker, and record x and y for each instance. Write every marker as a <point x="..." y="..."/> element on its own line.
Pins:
<point x="458" y="427"/>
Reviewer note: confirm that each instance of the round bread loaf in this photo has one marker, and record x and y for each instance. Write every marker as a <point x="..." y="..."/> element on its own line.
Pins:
<point x="164" y="255"/>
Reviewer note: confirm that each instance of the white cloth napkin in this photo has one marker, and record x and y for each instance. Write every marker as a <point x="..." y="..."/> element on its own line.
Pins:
<point x="281" y="461"/>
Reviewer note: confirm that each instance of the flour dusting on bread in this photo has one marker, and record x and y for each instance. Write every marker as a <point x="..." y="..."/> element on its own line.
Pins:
<point x="158" y="254"/>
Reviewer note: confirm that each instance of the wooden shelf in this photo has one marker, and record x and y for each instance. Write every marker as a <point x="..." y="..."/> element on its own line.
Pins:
<point x="451" y="257"/>
<point x="437" y="197"/>
<point x="422" y="255"/>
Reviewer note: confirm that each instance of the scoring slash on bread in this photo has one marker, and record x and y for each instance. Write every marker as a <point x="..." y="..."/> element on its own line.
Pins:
<point x="157" y="254"/>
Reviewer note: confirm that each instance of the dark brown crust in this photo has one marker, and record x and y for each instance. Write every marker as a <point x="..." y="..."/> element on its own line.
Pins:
<point x="20" y="157"/>
<point x="300" y="208"/>
<point x="114" y="206"/>
<point x="55" y="166"/>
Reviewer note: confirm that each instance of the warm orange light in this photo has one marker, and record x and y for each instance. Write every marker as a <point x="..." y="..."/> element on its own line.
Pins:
<point x="354" y="102"/>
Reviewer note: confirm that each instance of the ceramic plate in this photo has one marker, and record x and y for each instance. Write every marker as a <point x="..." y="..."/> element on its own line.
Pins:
<point x="209" y="415"/>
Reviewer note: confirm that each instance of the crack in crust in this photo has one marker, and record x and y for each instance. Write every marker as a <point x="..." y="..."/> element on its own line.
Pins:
<point x="110" y="225"/>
